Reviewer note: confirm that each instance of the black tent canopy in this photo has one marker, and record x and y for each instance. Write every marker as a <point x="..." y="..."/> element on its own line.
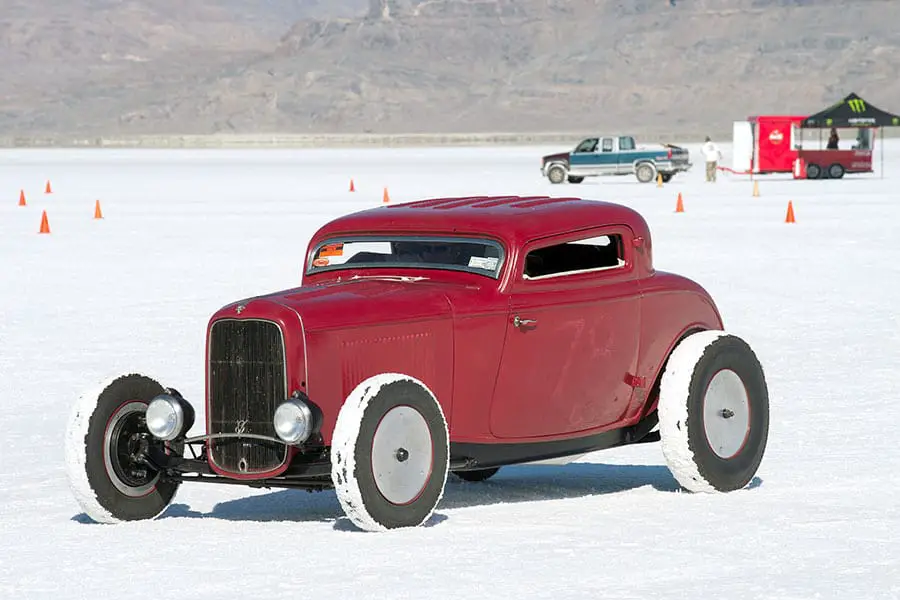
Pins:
<point x="852" y="111"/>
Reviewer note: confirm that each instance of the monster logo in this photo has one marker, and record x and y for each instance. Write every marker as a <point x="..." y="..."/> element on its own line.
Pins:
<point x="857" y="105"/>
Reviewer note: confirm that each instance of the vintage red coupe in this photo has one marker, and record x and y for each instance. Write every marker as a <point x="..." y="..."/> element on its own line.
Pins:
<point x="450" y="335"/>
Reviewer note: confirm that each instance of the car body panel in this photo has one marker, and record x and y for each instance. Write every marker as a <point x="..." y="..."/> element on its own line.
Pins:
<point x="587" y="367"/>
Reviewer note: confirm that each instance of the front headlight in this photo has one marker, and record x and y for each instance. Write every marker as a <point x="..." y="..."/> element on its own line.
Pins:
<point x="293" y="421"/>
<point x="168" y="417"/>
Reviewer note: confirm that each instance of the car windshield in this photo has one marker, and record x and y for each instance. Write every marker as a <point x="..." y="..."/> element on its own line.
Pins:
<point x="481" y="256"/>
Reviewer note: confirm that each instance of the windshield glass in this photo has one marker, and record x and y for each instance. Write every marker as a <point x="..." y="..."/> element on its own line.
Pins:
<point x="481" y="256"/>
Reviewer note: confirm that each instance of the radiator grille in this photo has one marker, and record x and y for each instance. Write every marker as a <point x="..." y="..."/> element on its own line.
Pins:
<point x="247" y="381"/>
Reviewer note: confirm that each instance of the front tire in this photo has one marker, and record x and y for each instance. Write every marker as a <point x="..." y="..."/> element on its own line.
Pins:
<point x="105" y="437"/>
<point x="390" y="453"/>
<point x="556" y="174"/>
<point x="713" y="412"/>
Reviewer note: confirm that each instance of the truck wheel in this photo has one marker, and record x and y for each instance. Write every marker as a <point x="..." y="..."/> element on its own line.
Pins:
<point x="556" y="174"/>
<point x="713" y="412"/>
<point x="105" y="437"/>
<point x="477" y="475"/>
<point x="574" y="179"/>
<point x="835" y="171"/>
<point x="390" y="453"/>
<point x="645" y="172"/>
<point x="667" y="177"/>
<point x="813" y="171"/>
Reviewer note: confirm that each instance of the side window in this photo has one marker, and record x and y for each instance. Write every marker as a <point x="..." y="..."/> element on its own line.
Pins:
<point x="588" y="145"/>
<point x="598" y="253"/>
<point x="626" y="143"/>
<point x="607" y="144"/>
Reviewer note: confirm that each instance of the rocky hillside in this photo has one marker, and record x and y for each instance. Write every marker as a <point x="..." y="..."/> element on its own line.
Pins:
<point x="98" y="68"/>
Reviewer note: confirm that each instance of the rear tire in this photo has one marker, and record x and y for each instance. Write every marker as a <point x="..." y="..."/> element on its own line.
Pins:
<point x="713" y="412"/>
<point x="390" y="453"/>
<point x="106" y="431"/>
<point x="575" y="179"/>
<point x="645" y="172"/>
<point x="835" y="171"/>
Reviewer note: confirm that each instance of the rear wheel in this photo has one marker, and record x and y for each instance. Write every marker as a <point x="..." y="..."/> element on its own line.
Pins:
<point x="106" y="442"/>
<point x="645" y="172"/>
<point x="713" y="412"/>
<point x="836" y="171"/>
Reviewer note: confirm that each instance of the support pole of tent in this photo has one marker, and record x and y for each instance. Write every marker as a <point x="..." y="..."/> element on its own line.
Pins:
<point x="882" y="151"/>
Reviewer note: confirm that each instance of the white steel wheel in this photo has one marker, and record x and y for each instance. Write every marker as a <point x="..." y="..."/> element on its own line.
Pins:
<point x="726" y="414"/>
<point x="713" y="412"/>
<point x="390" y="453"/>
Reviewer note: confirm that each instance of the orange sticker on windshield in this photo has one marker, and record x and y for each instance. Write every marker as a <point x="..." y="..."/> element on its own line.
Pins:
<point x="320" y="262"/>
<point x="332" y="250"/>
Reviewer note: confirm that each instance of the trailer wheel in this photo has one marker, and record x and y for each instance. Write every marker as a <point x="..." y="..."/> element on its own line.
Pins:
<point x="813" y="171"/>
<point x="835" y="171"/>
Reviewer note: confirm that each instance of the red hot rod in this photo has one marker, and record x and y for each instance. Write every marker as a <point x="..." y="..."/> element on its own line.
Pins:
<point x="444" y="336"/>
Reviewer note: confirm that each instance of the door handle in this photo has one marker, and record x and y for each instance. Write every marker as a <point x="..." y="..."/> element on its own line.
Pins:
<point x="520" y="322"/>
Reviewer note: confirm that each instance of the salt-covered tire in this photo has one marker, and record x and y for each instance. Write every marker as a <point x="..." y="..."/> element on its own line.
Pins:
<point x="477" y="475"/>
<point x="390" y="453"/>
<point x="713" y="412"/>
<point x="106" y="427"/>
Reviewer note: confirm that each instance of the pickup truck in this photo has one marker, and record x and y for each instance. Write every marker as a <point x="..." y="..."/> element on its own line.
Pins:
<point x="597" y="156"/>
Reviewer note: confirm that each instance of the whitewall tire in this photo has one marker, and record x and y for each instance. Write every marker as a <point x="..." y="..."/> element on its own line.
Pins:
<point x="390" y="453"/>
<point x="713" y="412"/>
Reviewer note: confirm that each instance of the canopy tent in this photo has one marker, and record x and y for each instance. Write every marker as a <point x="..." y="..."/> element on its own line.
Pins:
<point x="852" y="111"/>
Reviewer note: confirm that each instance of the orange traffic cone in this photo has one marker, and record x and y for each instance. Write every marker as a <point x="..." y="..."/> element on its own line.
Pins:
<point x="98" y="214"/>
<point x="679" y="206"/>
<point x="790" y="213"/>
<point x="352" y="187"/>
<point x="387" y="198"/>
<point x="659" y="180"/>
<point x="48" y="190"/>
<point x="45" y="225"/>
<point x="22" y="198"/>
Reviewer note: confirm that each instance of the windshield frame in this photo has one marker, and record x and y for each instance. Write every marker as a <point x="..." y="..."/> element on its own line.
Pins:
<point x="394" y="237"/>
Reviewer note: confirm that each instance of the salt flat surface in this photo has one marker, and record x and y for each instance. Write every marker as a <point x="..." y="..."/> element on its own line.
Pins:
<point x="186" y="232"/>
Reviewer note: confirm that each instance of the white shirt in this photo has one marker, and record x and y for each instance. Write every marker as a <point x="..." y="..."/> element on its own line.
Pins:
<point x="711" y="152"/>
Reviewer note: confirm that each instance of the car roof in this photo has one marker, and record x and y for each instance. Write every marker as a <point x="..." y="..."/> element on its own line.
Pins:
<point x="515" y="219"/>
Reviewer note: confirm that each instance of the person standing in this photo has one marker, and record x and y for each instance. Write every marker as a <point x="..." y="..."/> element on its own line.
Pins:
<point x="713" y="155"/>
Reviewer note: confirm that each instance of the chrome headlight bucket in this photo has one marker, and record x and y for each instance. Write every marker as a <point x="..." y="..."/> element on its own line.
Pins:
<point x="169" y="416"/>
<point x="294" y="421"/>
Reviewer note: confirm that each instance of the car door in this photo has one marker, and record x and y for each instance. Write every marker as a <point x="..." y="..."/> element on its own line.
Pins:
<point x="583" y="160"/>
<point x="571" y="336"/>
<point x="608" y="158"/>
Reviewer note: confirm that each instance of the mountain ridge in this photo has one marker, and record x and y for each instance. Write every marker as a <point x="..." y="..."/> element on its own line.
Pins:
<point x="156" y="67"/>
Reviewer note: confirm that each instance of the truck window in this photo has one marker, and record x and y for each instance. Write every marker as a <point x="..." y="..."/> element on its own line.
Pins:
<point x="598" y="253"/>
<point x="626" y="143"/>
<point x="607" y="144"/>
<point x="588" y="145"/>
